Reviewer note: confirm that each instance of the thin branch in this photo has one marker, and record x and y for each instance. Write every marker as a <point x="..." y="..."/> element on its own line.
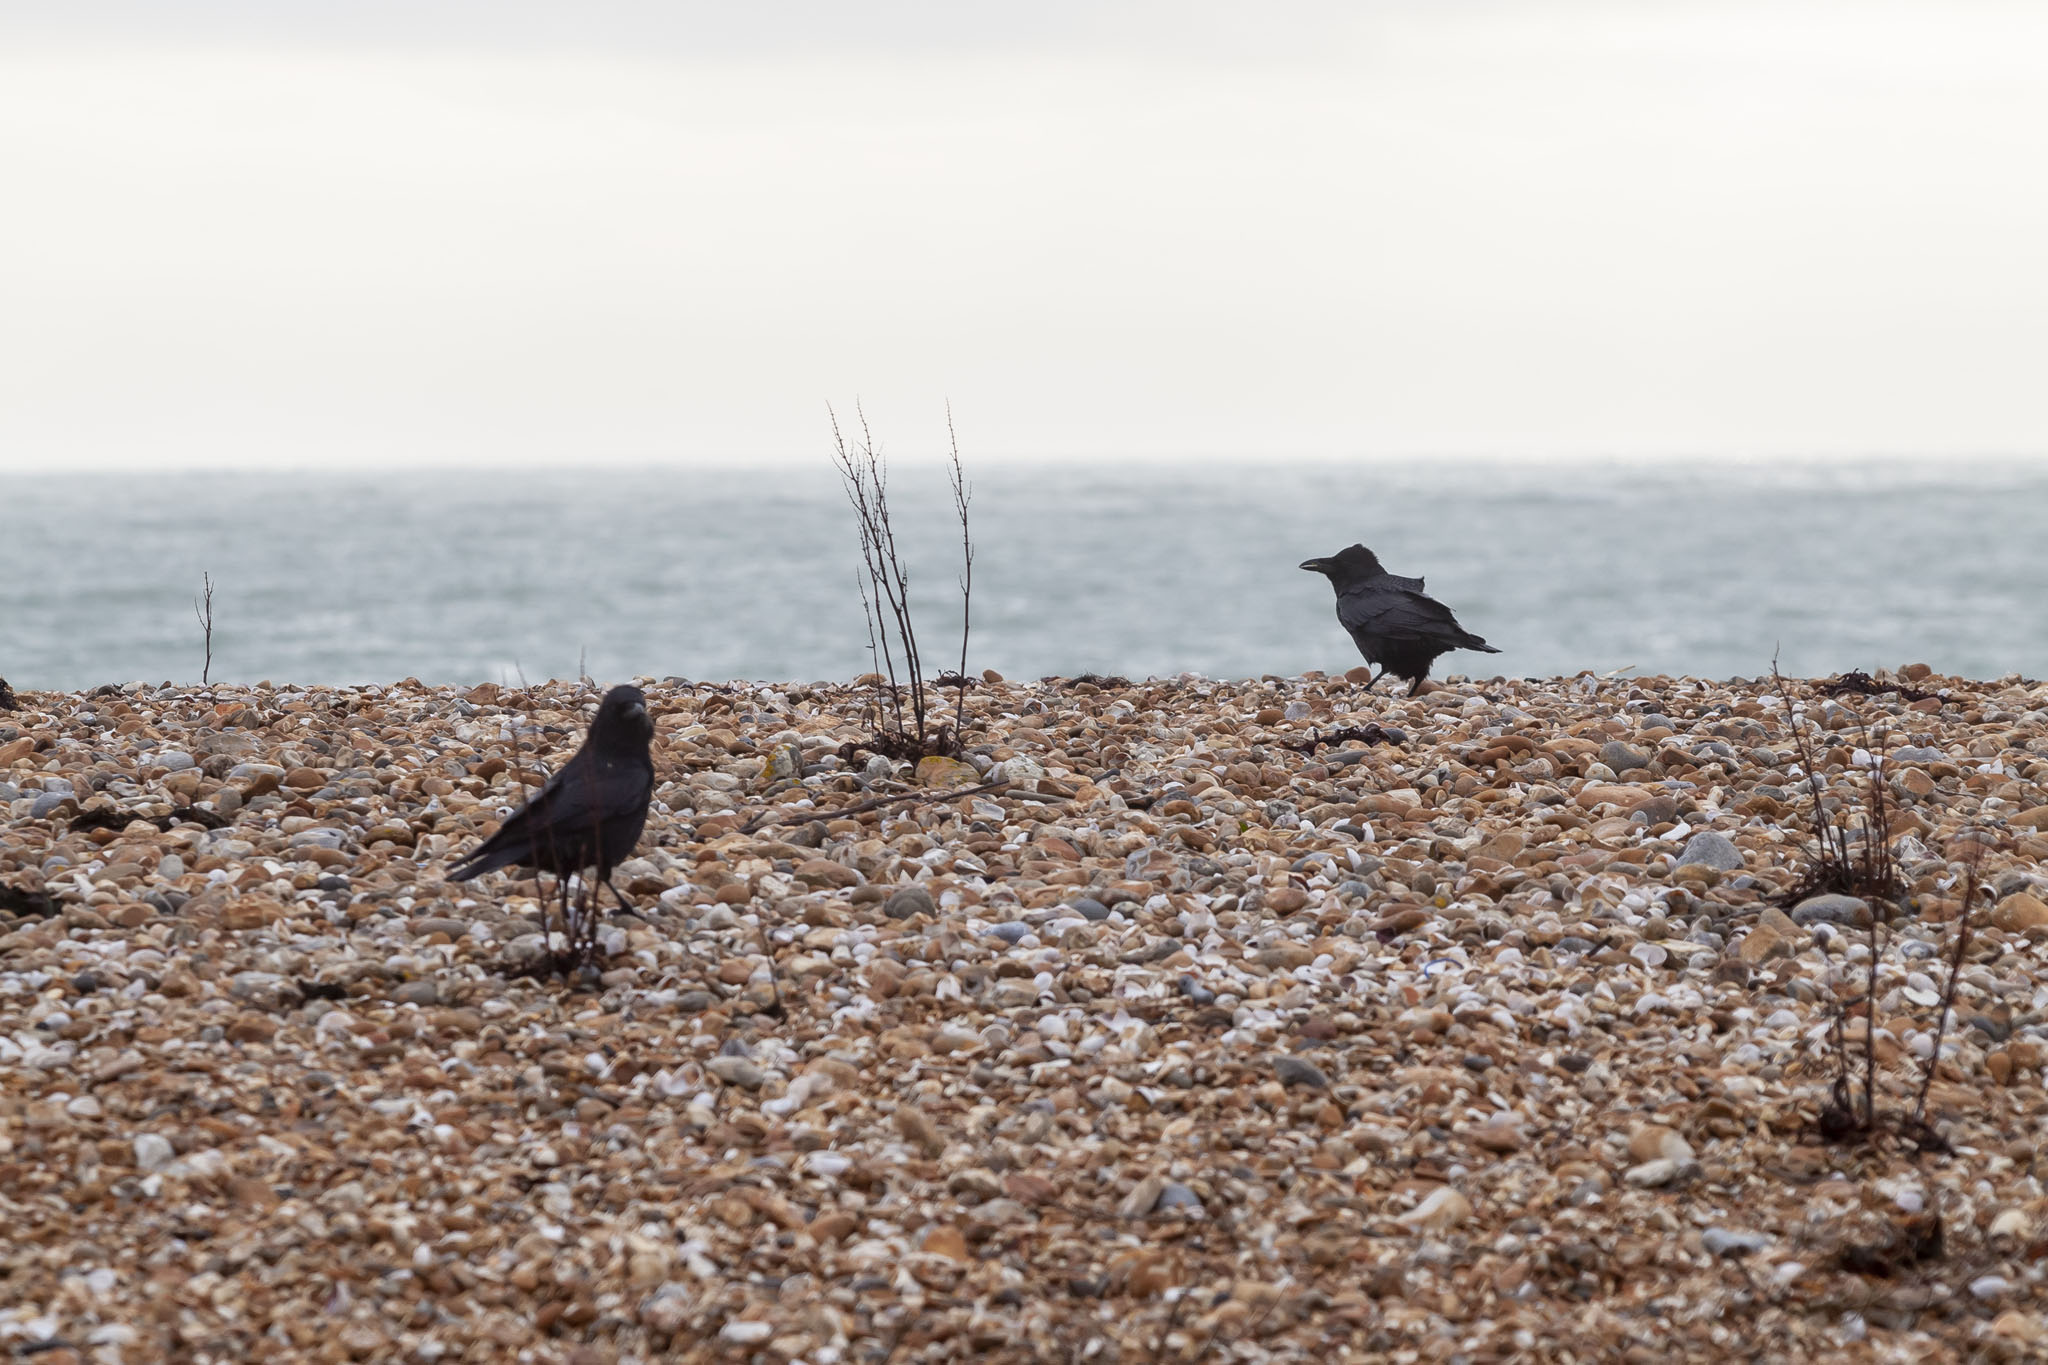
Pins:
<point x="202" y="607"/>
<point x="1948" y="990"/>
<point x="963" y="494"/>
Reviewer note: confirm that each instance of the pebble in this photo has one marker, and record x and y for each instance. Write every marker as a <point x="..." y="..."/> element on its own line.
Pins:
<point x="1300" y="1071"/>
<point x="911" y="900"/>
<point x="737" y="1071"/>
<point x="1661" y="1171"/>
<point x="1843" y="910"/>
<point x="1728" y="1242"/>
<point x="1709" y="848"/>
<point x="153" y="1151"/>
<point x="1620" y="758"/>
<point x="1444" y="1209"/>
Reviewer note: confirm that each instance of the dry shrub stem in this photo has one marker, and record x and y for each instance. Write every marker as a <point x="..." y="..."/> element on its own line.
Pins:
<point x="1872" y="875"/>
<point x="202" y="607"/>
<point x="884" y="584"/>
<point x="963" y="493"/>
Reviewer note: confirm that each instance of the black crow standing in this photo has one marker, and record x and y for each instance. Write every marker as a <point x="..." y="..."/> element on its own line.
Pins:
<point x="589" y="815"/>
<point x="1396" y="627"/>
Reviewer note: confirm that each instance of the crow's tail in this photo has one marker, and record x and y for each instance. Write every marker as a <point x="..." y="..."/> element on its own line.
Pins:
<point x="486" y="859"/>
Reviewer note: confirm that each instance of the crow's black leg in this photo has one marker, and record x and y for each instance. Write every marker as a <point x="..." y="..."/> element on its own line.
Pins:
<point x="624" y="904"/>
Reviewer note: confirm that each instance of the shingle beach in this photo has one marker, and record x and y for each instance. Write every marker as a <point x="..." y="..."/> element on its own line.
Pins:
<point x="1490" y="1041"/>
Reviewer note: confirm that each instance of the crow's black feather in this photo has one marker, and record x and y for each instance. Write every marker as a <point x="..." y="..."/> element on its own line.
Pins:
<point x="590" y="814"/>
<point x="1398" y="628"/>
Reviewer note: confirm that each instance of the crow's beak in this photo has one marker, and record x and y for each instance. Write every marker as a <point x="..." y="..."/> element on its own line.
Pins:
<point x="1315" y="565"/>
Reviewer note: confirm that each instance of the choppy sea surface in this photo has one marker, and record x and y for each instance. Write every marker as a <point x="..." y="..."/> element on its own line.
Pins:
<point x="1705" y="569"/>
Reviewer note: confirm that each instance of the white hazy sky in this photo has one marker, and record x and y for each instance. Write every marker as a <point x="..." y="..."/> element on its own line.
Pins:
<point x="279" y="231"/>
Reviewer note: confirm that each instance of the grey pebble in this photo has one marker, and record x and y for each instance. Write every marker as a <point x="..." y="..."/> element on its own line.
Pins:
<point x="1300" y="1071"/>
<point x="1621" y="757"/>
<point x="737" y="1071"/>
<point x="1710" y="849"/>
<point x="1843" y="910"/>
<point x="911" y="900"/>
<point x="1011" y="932"/>
<point x="1728" y="1242"/>
<point x="49" y="803"/>
<point x="1090" y="909"/>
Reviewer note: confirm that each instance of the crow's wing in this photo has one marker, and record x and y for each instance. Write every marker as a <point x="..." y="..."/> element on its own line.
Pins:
<point x="570" y="807"/>
<point x="1384" y="612"/>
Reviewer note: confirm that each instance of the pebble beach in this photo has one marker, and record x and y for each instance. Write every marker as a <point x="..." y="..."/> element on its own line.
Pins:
<point x="1150" y="1030"/>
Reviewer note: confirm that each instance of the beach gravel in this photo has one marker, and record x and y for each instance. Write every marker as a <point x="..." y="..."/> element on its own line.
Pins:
<point x="1490" y="1042"/>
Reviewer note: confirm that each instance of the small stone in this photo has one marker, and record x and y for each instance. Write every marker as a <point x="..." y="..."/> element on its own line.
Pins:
<point x="1662" y="1171"/>
<point x="153" y="1151"/>
<point x="1142" y="1198"/>
<point x="2015" y="1325"/>
<point x="946" y="772"/>
<point x="1443" y="1210"/>
<point x="2019" y="912"/>
<point x="1727" y="1242"/>
<point x="1711" y="849"/>
<point x="911" y="900"/>
<point x="1300" y="1071"/>
<point x="737" y="1071"/>
<point x="251" y="912"/>
<point x="1843" y="910"/>
<point x="746" y="1333"/>
<point x="251" y="1028"/>
<point x="1500" y="1133"/>
<point x="1090" y="909"/>
<point x="2011" y="1223"/>
<point x="417" y="993"/>
<point x="1653" y="1140"/>
<point x="1620" y="758"/>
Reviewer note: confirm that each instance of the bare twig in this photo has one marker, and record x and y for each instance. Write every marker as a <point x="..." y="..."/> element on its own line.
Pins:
<point x="1971" y="885"/>
<point x="1180" y="1303"/>
<point x="885" y="592"/>
<point x="202" y="607"/>
<point x="1249" y="1328"/>
<point x="963" y="493"/>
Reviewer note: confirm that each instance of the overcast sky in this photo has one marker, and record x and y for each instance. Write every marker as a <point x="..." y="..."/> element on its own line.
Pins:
<point x="282" y="231"/>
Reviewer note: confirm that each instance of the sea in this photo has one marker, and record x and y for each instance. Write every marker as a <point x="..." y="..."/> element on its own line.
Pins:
<point x="1705" y="568"/>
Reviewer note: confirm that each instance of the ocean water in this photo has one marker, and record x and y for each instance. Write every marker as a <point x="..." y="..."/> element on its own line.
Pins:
<point x="1705" y="569"/>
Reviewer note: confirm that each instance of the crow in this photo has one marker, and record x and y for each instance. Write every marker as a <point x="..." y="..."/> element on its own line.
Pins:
<point x="1394" y="625"/>
<point x="590" y="814"/>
